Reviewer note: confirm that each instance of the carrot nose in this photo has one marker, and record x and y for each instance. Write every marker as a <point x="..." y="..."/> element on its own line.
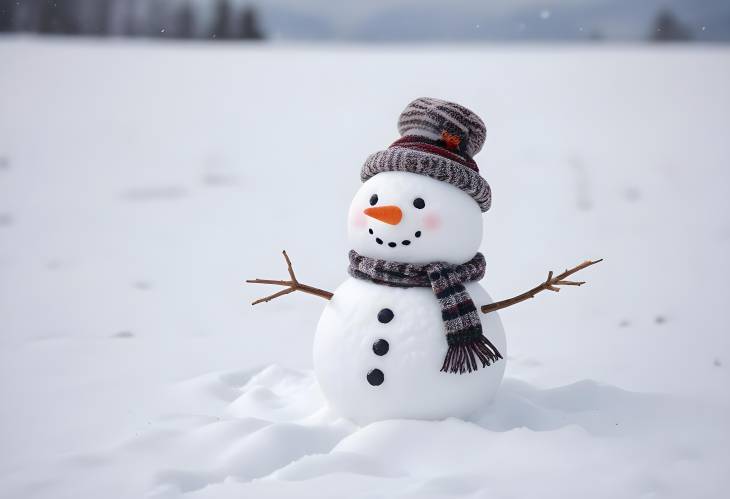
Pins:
<point x="389" y="214"/>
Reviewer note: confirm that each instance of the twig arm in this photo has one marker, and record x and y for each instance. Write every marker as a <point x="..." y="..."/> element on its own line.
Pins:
<point x="291" y="285"/>
<point x="550" y="284"/>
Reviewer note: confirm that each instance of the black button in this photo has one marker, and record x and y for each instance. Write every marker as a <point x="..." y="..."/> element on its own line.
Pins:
<point x="386" y="315"/>
<point x="381" y="347"/>
<point x="376" y="377"/>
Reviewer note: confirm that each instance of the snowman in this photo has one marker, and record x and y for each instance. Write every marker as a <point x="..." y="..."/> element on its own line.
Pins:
<point x="412" y="333"/>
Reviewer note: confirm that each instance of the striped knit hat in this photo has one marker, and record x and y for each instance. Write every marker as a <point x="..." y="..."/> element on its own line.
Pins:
<point x="438" y="139"/>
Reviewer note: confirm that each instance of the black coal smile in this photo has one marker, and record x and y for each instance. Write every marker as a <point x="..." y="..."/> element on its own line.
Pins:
<point x="393" y="244"/>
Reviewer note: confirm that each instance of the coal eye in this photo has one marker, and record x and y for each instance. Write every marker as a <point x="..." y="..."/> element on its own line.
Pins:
<point x="419" y="203"/>
<point x="373" y="200"/>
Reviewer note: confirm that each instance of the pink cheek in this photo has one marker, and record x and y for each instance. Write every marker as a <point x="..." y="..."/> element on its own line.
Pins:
<point x="359" y="221"/>
<point x="432" y="221"/>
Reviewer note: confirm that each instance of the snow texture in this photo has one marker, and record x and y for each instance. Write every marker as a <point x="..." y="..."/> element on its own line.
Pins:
<point x="139" y="186"/>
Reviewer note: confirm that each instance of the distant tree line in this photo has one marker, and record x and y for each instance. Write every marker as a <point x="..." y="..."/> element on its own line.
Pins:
<point x="668" y="28"/>
<point x="191" y="19"/>
<point x="216" y="20"/>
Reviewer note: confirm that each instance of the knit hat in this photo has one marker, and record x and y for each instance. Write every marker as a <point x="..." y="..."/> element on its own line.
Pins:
<point x="438" y="139"/>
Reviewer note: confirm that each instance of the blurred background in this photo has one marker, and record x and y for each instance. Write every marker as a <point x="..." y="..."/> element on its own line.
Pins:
<point x="374" y="21"/>
<point x="155" y="154"/>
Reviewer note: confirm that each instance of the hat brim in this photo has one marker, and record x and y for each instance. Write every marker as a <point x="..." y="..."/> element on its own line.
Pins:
<point x="402" y="159"/>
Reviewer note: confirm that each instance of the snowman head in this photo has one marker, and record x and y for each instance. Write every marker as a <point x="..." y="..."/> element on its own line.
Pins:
<point x="422" y="198"/>
<point x="411" y="218"/>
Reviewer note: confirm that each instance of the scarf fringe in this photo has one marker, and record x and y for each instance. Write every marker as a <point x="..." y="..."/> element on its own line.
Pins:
<point x="463" y="357"/>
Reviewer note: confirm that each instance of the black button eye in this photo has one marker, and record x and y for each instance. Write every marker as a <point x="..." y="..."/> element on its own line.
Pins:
<point x="419" y="203"/>
<point x="373" y="200"/>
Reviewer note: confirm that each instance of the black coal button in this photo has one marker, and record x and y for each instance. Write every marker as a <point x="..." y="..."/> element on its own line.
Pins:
<point x="381" y="347"/>
<point x="376" y="377"/>
<point x="386" y="315"/>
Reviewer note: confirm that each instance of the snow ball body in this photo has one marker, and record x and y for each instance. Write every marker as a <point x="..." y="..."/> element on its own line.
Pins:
<point x="378" y="350"/>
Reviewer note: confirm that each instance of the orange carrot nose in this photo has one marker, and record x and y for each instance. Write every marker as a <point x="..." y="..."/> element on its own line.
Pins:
<point x="389" y="214"/>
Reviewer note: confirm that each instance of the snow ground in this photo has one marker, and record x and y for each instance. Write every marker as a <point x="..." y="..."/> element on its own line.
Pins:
<point x="140" y="185"/>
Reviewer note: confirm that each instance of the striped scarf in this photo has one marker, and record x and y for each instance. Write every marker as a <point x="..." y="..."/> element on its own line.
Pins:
<point x="464" y="335"/>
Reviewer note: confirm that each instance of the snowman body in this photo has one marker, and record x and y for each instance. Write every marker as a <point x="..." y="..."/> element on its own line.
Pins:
<point x="378" y="352"/>
<point x="378" y="349"/>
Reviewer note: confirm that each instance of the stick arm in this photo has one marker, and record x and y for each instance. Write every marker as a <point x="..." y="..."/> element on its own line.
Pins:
<point x="550" y="284"/>
<point x="291" y="285"/>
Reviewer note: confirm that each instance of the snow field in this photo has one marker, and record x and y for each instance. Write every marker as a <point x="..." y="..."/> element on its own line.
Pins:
<point x="141" y="184"/>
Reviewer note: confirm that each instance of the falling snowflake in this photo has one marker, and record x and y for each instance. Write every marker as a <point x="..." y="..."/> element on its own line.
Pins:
<point x="545" y="14"/>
